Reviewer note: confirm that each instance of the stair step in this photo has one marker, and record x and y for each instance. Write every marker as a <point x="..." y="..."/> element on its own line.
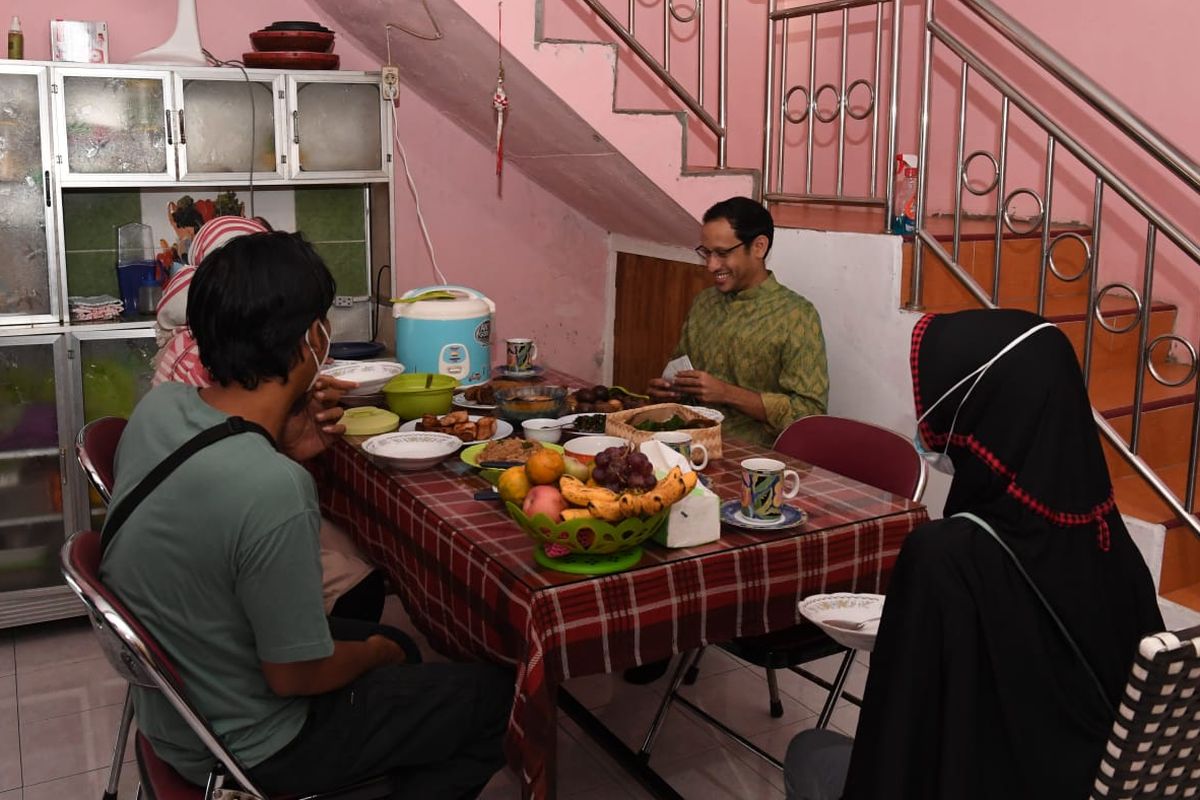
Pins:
<point x="1136" y="498"/>
<point x="1163" y="438"/>
<point x="1188" y="596"/>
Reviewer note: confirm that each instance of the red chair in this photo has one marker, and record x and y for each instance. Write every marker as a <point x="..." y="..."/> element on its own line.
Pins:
<point x="96" y="449"/>
<point x="867" y="453"/>
<point x="139" y="659"/>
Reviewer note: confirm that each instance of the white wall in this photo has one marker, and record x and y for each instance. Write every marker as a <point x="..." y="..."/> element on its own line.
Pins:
<point x="854" y="281"/>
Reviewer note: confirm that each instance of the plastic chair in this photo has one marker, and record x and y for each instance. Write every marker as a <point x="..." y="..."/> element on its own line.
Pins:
<point x="1154" y="747"/>
<point x="96" y="450"/>
<point x="867" y="453"/>
<point x="139" y="659"/>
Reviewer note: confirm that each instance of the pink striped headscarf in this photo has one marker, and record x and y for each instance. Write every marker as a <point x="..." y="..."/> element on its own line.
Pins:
<point x="217" y="233"/>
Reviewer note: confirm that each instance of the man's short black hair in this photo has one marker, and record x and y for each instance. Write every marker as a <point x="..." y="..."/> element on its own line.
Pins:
<point x="251" y="303"/>
<point x="748" y="219"/>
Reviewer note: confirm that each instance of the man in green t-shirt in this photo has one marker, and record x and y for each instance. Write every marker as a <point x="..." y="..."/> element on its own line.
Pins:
<point x="756" y="347"/>
<point x="221" y="562"/>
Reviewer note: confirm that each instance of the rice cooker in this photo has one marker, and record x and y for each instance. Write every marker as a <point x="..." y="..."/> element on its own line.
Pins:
<point x="446" y="330"/>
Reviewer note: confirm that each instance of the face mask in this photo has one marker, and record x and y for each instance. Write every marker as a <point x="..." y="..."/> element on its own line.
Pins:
<point x="941" y="461"/>
<point x="317" y="361"/>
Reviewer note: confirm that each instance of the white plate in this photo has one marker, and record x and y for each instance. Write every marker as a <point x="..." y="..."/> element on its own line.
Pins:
<point x="503" y="429"/>
<point x="460" y="400"/>
<point x="369" y="375"/>
<point x="711" y="413"/>
<point x="840" y="615"/>
<point x="570" y="418"/>
<point x="412" y="450"/>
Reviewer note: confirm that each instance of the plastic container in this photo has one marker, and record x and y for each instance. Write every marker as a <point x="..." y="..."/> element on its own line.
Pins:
<point x="908" y="209"/>
<point x="129" y="281"/>
<point x="149" y="294"/>
<point x="16" y="39"/>
<point x="415" y="395"/>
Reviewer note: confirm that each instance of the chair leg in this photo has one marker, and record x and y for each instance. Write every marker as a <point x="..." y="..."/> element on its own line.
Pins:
<point x="665" y="706"/>
<point x="694" y="670"/>
<point x="835" y="693"/>
<point x="114" y="772"/>
<point x="773" y="690"/>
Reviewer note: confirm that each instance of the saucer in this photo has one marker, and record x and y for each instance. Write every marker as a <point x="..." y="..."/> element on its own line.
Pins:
<point x="519" y="374"/>
<point x="731" y="514"/>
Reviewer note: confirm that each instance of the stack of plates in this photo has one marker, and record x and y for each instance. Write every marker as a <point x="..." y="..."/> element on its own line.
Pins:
<point x="292" y="45"/>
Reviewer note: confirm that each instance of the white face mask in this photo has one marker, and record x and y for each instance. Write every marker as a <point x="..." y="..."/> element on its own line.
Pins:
<point x="941" y="461"/>
<point x="317" y="361"/>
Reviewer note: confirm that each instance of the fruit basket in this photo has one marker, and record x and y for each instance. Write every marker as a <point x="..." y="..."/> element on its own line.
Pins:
<point x="596" y="547"/>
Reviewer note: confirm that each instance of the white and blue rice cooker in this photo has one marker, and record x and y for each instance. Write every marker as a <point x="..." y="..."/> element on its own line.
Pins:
<point x="449" y="331"/>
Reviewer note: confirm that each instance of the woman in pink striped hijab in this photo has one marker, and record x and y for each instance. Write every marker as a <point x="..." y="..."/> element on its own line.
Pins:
<point x="178" y="358"/>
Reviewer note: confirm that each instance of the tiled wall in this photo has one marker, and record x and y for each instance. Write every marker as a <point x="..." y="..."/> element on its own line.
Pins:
<point x="334" y="219"/>
<point x="90" y="222"/>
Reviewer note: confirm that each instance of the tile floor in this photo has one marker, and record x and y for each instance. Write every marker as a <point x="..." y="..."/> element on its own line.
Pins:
<point x="60" y="704"/>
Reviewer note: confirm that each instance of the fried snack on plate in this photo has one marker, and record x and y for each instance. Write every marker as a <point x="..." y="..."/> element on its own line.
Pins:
<point x="518" y="450"/>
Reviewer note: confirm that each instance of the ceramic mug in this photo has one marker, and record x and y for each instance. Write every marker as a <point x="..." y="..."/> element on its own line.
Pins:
<point x="763" y="489"/>
<point x="521" y="354"/>
<point x="682" y="443"/>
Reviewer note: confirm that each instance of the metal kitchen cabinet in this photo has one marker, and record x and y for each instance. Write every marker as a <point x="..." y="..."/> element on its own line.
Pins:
<point x="216" y="110"/>
<point x="339" y="127"/>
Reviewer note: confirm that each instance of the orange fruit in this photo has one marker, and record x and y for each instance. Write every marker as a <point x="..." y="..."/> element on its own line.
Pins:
<point x="514" y="485"/>
<point x="545" y="466"/>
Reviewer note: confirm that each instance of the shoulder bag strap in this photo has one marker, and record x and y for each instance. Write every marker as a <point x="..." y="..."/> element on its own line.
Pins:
<point x="230" y="427"/>
<point x="1045" y="603"/>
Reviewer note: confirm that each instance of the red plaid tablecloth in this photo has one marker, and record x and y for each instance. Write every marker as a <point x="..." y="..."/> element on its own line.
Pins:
<point x="467" y="577"/>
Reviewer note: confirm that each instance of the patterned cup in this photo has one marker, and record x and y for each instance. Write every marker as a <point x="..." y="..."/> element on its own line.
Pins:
<point x="763" y="488"/>
<point x="682" y="443"/>
<point x="521" y="354"/>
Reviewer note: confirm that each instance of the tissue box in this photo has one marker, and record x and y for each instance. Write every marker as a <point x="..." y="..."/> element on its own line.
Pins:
<point x="694" y="520"/>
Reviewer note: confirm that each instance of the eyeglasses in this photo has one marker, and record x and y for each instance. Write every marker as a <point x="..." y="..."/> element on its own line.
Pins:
<point x="721" y="253"/>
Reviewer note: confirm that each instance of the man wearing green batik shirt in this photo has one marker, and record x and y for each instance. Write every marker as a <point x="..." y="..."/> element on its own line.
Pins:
<point x="756" y="346"/>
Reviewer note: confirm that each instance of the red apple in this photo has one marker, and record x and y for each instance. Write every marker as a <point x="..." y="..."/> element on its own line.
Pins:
<point x="544" y="500"/>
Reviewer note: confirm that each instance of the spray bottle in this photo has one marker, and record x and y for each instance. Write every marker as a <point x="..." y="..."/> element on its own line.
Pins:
<point x="16" y="39"/>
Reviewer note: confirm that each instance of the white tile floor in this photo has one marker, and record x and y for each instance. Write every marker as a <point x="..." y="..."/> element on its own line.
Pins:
<point x="60" y="704"/>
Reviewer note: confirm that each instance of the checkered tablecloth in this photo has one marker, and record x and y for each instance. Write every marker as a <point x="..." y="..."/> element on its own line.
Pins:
<point x="466" y="574"/>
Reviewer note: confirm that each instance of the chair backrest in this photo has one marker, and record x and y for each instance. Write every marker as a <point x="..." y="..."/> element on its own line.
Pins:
<point x="867" y="453"/>
<point x="131" y="649"/>
<point x="96" y="449"/>
<point x="1154" y="747"/>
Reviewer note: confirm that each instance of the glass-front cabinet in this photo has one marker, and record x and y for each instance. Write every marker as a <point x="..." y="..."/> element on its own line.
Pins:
<point x="337" y="126"/>
<point x="33" y="517"/>
<point x="227" y="126"/>
<point x="113" y="125"/>
<point x="110" y="372"/>
<point x="28" y="286"/>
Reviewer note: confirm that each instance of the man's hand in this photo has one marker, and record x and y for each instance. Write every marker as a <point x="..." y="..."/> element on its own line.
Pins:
<point x="660" y="389"/>
<point x="385" y="650"/>
<point x="702" y="386"/>
<point x="314" y="428"/>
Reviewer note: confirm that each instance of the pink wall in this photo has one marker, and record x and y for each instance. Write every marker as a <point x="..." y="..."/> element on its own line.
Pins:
<point x="516" y="248"/>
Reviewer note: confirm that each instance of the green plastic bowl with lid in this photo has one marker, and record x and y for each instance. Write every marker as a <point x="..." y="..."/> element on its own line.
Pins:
<point x="413" y="396"/>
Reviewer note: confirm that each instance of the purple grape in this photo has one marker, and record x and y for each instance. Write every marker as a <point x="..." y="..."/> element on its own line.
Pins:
<point x="638" y="460"/>
<point x="602" y="458"/>
<point x="600" y="474"/>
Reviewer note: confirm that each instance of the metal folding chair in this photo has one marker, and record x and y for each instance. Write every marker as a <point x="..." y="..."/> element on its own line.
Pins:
<point x="867" y="453"/>
<point x="139" y="659"/>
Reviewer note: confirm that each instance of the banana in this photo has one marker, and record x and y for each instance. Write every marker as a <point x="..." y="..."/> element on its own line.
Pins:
<point x="689" y="482"/>
<point x="631" y="504"/>
<point x="569" y="514"/>
<point x="577" y="493"/>
<point x="607" y="510"/>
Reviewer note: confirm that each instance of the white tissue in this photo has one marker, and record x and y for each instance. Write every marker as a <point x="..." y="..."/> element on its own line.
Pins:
<point x="675" y="366"/>
<point x="694" y="520"/>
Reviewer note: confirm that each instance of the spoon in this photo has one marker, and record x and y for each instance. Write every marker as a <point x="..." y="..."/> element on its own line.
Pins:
<point x="428" y="380"/>
<point x="850" y="624"/>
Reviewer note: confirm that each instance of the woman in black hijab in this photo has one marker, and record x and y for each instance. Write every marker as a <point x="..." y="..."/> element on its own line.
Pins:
<point x="974" y="692"/>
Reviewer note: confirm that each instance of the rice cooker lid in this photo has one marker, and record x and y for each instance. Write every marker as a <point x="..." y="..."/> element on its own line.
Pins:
<point x="445" y="304"/>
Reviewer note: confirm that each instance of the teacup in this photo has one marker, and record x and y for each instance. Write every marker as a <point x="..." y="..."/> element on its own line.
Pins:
<point x="763" y="489"/>
<point x="521" y="354"/>
<point x="681" y="442"/>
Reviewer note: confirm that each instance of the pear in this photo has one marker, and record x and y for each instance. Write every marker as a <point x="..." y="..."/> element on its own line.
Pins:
<point x="577" y="469"/>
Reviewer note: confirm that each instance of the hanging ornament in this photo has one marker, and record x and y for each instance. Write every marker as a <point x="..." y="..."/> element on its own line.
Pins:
<point x="500" y="98"/>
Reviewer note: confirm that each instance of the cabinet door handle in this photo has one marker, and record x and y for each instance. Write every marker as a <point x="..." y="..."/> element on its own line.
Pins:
<point x="296" y="126"/>
<point x="46" y="183"/>
<point x="168" y="116"/>
<point x="182" y="133"/>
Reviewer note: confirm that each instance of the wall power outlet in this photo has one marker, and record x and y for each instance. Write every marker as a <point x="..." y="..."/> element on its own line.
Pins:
<point x="389" y="81"/>
<point x="343" y="301"/>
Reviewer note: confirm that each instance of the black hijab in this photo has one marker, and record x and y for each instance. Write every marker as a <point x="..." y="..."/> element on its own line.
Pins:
<point x="1024" y="440"/>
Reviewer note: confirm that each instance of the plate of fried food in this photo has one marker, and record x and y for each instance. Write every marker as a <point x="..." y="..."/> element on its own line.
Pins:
<point x="476" y="398"/>
<point x="471" y="428"/>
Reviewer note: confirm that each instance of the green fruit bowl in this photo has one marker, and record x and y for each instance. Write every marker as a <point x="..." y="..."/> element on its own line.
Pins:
<point x="589" y="536"/>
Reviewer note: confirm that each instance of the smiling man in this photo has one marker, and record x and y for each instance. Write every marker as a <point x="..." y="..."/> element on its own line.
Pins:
<point x="756" y="346"/>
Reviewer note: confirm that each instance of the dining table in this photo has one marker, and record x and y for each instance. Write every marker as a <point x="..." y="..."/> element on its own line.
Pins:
<point x="466" y="574"/>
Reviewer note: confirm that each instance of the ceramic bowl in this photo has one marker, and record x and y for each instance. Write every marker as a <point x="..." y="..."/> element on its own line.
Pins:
<point x="537" y="401"/>
<point x="585" y="449"/>
<point x="409" y="397"/>
<point x="411" y="450"/>
<point x="850" y="619"/>
<point x="369" y="375"/>
<point x="542" y="430"/>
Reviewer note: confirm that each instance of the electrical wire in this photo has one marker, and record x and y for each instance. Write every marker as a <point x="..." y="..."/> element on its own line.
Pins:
<point x="437" y="31"/>
<point x="416" y="199"/>
<point x="253" y="121"/>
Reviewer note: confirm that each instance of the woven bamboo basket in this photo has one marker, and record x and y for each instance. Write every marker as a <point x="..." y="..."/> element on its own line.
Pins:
<point x="622" y="424"/>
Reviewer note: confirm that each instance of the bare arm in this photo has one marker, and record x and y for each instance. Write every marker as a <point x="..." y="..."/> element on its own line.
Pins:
<point x="349" y="661"/>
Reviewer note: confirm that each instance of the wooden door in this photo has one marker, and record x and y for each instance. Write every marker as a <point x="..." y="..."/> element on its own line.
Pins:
<point x="653" y="299"/>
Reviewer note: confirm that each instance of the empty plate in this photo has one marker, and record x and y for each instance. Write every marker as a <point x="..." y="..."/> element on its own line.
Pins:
<point x="850" y="619"/>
